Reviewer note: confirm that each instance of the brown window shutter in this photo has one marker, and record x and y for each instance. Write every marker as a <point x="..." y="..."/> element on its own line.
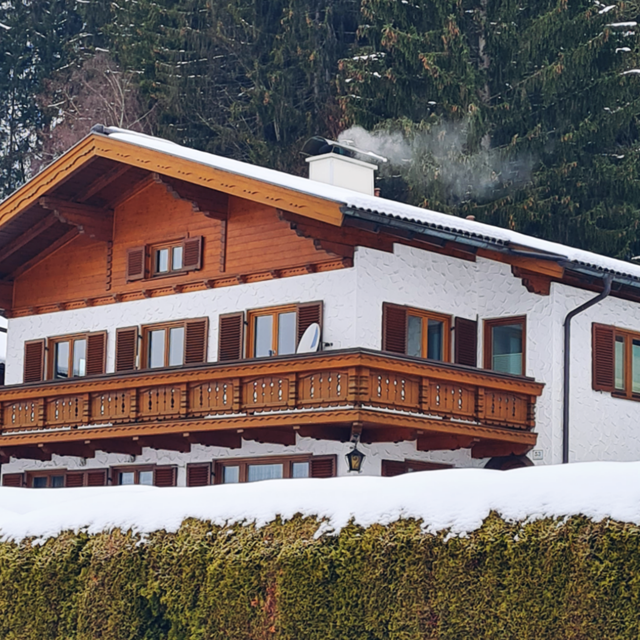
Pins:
<point x="466" y="338"/>
<point x="392" y="468"/>
<point x="74" y="479"/>
<point x="196" y="341"/>
<point x="126" y="349"/>
<point x="136" y="259"/>
<point x="394" y="328"/>
<point x="603" y="368"/>
<point x="34" y="361"/>
<point x="165" y="477"/>
<point x="96" y="353"/>
<point x="323" y="467"/>
<point x="97" y="478"/>
<point x="198" y="475"/>
<point x="12" y="480"/>
<point x="192" y="259"/>
<point x="230" y="335"/>
<point x="309" y="313"/>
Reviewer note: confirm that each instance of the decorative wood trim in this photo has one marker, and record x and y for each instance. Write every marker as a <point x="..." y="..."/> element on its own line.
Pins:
<point x="533" y="282"/>
<point x="92" y="221"/>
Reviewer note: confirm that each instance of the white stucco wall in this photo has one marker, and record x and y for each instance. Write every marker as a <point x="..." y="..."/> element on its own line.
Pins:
<point x="602" y="427"/>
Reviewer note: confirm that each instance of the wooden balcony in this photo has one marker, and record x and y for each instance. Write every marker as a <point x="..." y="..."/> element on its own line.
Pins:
<point x="328" y="396"/>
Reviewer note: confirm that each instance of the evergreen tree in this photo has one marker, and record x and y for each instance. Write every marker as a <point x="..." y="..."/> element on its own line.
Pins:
<point x="34" y="37"/>
<point x="521" y="113"/>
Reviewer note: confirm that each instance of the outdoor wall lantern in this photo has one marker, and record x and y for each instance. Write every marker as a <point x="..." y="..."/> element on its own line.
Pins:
<point x="355" y="458"/>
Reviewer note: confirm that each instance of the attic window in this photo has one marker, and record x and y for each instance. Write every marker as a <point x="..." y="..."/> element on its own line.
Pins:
<point x="164" y="259"/>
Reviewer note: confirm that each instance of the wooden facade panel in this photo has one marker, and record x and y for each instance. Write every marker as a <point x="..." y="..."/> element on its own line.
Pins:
<point x="74" y="272"/>
<point x="252" y="240"/>
<point x="258" y="240"/>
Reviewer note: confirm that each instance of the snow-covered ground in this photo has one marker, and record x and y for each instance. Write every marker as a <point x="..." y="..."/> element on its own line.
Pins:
<point x="457" y="500"/>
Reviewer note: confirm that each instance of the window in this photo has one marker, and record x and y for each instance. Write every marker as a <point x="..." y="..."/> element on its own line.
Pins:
<point x="170" y="345"/>
<point x="416" y="332"/>
<point x="256" y="469"/>
<point x="275" y="331"/>
<point x="68" y="357"/>
<point x="133" y="476"/>
<point x="164" y="259"/>
<point x="428" y="335"/>
<point x="157" y="476"/>
<point x="616" y="361"/>
<point x="54" y="479"/>
<point x="167" y="259"/>
<point x="504" y="342"/>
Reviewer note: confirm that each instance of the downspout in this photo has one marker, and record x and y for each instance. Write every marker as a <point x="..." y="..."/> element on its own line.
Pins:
<point x="608" y="279"/>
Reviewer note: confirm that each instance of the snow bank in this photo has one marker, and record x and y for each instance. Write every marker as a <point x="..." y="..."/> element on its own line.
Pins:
<point x="457" y="500"/>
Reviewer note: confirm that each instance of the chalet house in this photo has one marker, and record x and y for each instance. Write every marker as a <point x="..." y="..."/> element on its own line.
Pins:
<point x="157" y="298"/>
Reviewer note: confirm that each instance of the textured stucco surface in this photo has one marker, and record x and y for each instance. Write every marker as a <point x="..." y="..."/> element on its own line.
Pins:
<point x="602" y="427"/>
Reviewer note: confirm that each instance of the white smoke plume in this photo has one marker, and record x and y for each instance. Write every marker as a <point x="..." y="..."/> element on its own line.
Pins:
<point x="442" y="155"/>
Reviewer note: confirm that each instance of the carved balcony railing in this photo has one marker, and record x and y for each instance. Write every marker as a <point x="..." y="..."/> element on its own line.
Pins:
<point x="323" y="388"/>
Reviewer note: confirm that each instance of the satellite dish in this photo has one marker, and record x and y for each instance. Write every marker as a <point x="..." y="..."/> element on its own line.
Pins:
<point x="310" y="340"/>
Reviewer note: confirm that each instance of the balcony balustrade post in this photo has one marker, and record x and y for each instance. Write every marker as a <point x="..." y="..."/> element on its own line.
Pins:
<point x="480" y="412"/>
<point x="133" y="405"/>
<point x="237" y="395"/>
<point x="184" y="400"/>
<point x="425" y="403"/>
<point x="40" y="412"/>
<point x="86" y="406"/>
<point x="292" y="400"/>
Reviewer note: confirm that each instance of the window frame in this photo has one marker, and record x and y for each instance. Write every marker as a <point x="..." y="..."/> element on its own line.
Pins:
<point x="48" y="474"/>
<point x="51" y="352"/>
<point x="286" y="460"/>
<point x="145" y="332"/>
<point x="114" y="474"/>
<point x="425" y="316"/>
<point x="628" y="338"/>
<point x="252" y="314"/>
<point x="487" y="331"/>
<point x="170" y="246"/>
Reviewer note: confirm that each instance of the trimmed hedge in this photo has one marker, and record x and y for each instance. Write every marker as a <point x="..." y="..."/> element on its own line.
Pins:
<point x="574" y="579"/>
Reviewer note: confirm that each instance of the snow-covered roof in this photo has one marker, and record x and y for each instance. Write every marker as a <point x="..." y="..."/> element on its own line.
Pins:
<point x="457" y="500"/>
<point x="438" y="223"/>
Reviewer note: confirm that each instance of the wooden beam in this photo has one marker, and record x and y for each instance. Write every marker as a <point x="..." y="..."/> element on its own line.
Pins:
<point x="94" y="222"/>
<point x="535" y="265"/>
<point x="271" y="436"/>
<point x="29" y="452"/>
<point x="325" y="432"/>
<point x="443" y="442"/>
<point x="228" y="439"/>
<point x="52" y="248"/>
<point x="372" y="434"/>
<point x="104" y="181"/>
<point x="494" y="448"/>
<point x="116" y="445"/>
<point x="15" y="245"/>
<point x="78" y="449"/>
<point x="167" y="442"/>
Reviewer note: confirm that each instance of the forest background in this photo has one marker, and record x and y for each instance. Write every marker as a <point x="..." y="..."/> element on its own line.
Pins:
<point x="522" y="113"/>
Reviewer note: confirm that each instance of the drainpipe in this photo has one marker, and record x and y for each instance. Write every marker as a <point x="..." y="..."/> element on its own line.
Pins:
<point x="608" y="279"/>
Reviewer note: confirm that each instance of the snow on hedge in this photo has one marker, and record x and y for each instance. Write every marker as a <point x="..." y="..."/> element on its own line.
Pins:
<point x="457" y="500"/>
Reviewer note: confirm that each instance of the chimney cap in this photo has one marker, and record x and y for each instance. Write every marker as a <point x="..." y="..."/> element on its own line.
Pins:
<point x="319" y="146"/>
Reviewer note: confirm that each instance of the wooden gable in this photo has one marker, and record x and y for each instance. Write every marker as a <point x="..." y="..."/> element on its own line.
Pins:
<point x="236" y="240"/>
